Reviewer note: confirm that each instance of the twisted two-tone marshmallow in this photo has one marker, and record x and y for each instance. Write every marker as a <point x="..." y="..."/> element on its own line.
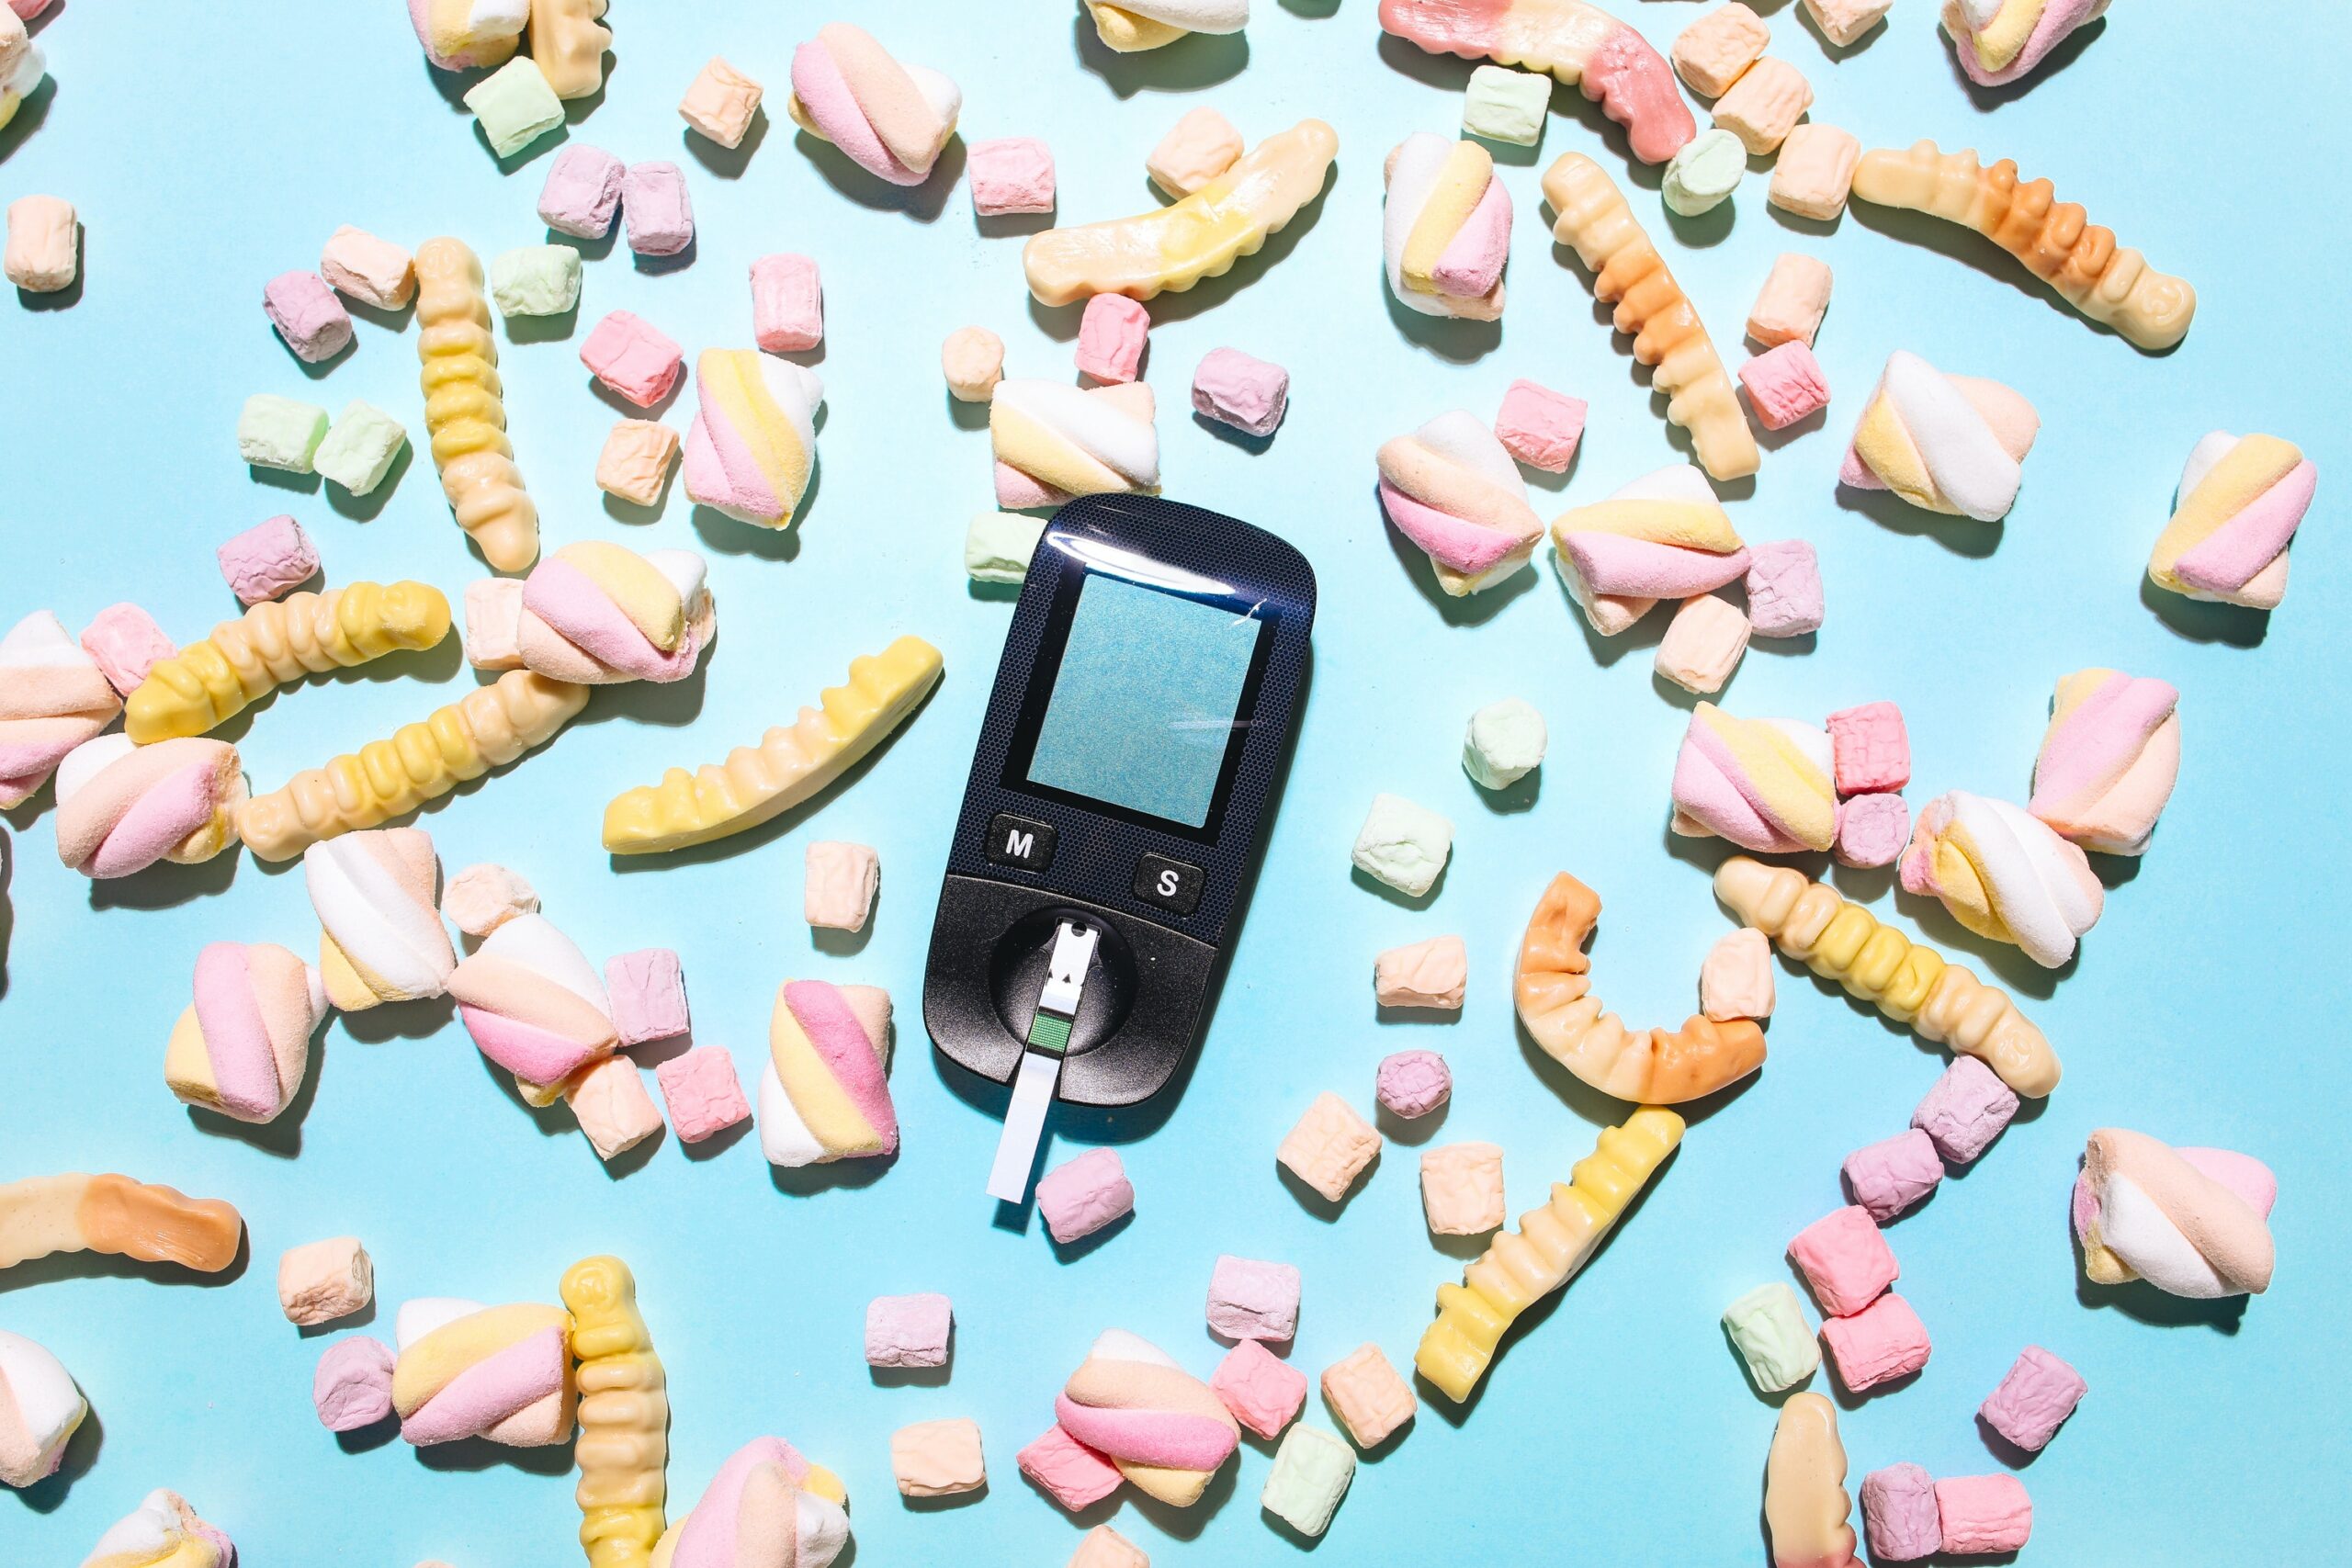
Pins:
<point x="2241" y="498"/>
<point x="1135" y="25"/>
<point x="381" y="939"/>
<point x="890" y="119"/>
<point x="150" y="1222"/>
<point x="534" y="1004"/>
<point x="1765" y="783"/>
<point x="163" y="1532"/>
<point x="767" y="1507"/>
<point x="1446" y="232"/>
<point x="465" y="35"/>
<point x="2000" y="40"/>
<point x="122" y="807"/>
<point x="1952" y="444"/>
<point x="1054" y="442"/>
<point x="2191" y="1221"/>
<point x="2108" y="760"/>
<point x="599" y="614"/>
<point x="1161" y="1426"/>
<point x="39" y="1409"/>
<point x="1582" y="45"/>
<point x="2004" y="874"/>
<point x="1665" y="535"/>
<point x="624" y="1447"/>
<point x="53" y="696"/>
<point x="752" y="446"/>
<point x="22" y="65"/>
<point x="465" y="409"/>
<point x="242" y="1046"/>
<point x="825" y="1094"/>
<point x="1451" y="489"/>
<point x="469" y="1371"/>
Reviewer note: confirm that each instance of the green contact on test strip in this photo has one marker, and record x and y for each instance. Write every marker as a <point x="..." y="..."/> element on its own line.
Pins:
<point x="1047" y="1032"/>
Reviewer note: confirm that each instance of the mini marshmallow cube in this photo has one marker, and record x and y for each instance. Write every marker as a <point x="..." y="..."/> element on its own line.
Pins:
<point x="610" y="1101"/>
<point x="1703" y="644"/>
<point x="1890" y="1176"/>
<point x="1845" y="1260"/>
<point x="1764" y="104"/>
<point x="1814" y="171"/>
<point x="648" y="990"/>
<point x="1263" y="1393"/>
<point x="787" y="303"/>
<point x="307" y="315"/>
<point x="1010" y="174"/>
<point x="1103" y="1546"/>
<point x="1790" y="306"/>
<point x="1899" y="1514"/>
<point x="1869" y="750"/>
<point x="1702" y="174"/>
<point x="629" y="356"/>
<point x="1983" y="1514"/>
<point x="1872" y="831"/>
<point x="1311" y="1473"/>
<point x="2035" y="1399"/>
<point x="908" y="1331"/>
<point x="536" y="280"/>
<point x="1412" y="1084"/>
<point x="1080" y="1196"/>
<point x="636" y="461"/>
<point x="360" y="450"/>
<point x="841" y="882"/>
<point x="1767" y="1326"/>
<point x="1966" y="1109"/>
<point x="1710" y="55"/>
<point x="656" y="208"/>
<point x="1203" y="145"/>
<point x="372" y="271"/>
<point x="280" y="432"/>
<point x="484" y="897"/>
<point x="1329" y="1147"/>
<point x="1884" y="1341"/>
<point x="1462" y="1189"/>
<point x="582" y="192"/>
<point x="1248" y="394"/>
<point x="1429" y="974"/>
<point x="1249" y="1298"/>
<point x="704" y="1094"/>
<point x="998" y="544"/>
<point x="1367" y="1395"/>
<point x="938" y="1459"/>
<point x="495" y="623"/>
<point x="124" y="641"/>
<point x="1503" y="105"/>
<point x="1403" y="844"/>
<point x="321" y="1281"/>
<point x="1504" y="743"/>
<point x="44" y="249"/>
<point x="353" y="1385"/>
<point x="1111" y="338"/>
<point x="973" y="361"/>
<point x="1539" y="426"/>
<point x="1784" y="596"/>
<point x="721" y="102"/>
<point x="1068" y="1470"/>
<point x="1843" y="21"/>
<point x="1735" y="981"/>
<point x="269" y="559"/>
<point x="514" y="106"/>
<point x="1784" y="385"/>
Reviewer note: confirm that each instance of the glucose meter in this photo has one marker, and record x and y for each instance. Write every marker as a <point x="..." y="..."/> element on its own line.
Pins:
<point x="1142" y="708"/>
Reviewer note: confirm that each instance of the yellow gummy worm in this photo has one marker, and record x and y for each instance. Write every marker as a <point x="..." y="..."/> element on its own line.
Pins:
<point x="463" y="412"/>
<point x="486" y="728"/>
<point x="276" y="643"/>
<point x="624" y="1444"/>
<point x="1551" y="1244"/>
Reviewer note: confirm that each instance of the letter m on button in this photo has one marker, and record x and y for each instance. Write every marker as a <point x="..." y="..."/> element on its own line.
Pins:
<point x="1020" y="842"/>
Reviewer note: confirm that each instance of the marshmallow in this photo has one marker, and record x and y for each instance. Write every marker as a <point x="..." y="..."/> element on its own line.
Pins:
<point x="1103" y="1546"/>
<point x="45" y="1215"/>
<point x="382" y="938"/>
<point x="998" y="544"/>
<point x="1790" y="306"/>
<point x="568" y="43"/>
<point x="1232" y="389"/>
<point x="1009" y="174"/>
<point x="467" y="35"/>
<point x="265" y="560"/>
<point x="1702" y="176"/>
<point x="1965" y="1111"/>
<point x="1084" y="1193"/>
<point x="1783" y="586"/>
<point x="125" y="643"/>
<point x="1504" y="743"/>
<point x="1451" y="489"/>
<point x="1252" y="1300"/>
<point x="655" y="207"/>
<point x="372" y="271"/>
<point x="1870" y="749"/>
<point x="1539" y="426"/>
<point x="825" y="1094"/>
<point x="359" y="450"/>
<point x="279" y="433"/>
<point x="1462" y="1189"/>
<point x="122" y="807"/>
<point x="972" y="359"/>
<point x="464" y="417"/>
<point x="1134" y="24"/>
<point x="629" y="356"/>
<point x="514" y="106"/>
<point x="624" y="1444"/>
<point x="1264" y="1394"/>
<point x="2004" y="874"/>
<point x="2241" y="499"/>
<point x="839" y="885"/>
<point x="1112" y="332"/>
<point x="1899" y="1511"/>
<point x="648" y="990"/>
<point x="1664" y="536"/>
<point x="1872" y="831"/>
<point x="163" y="1532"/>
<point x="321" y="1281"/>
<point x="704" y="1096"/>
<point x="890" y="119"/>
<point x="1843" y="21"/>
<point x="907" y="1331"/>
<point x="1784" y="385"/>
<point x="1072" y="1474"/>
<point x="1702" y="644"/>
<point x="39" y="1410"/>
<point x="1710" y="55"/>
<point x="1844" y="1260"/>
<point x="242" y="1046"/>
<point x="608" y="1100"/>
<point x="1424" y="974"/>
<point x="2111" y="284"/>
<point x="1950" y="444"/>
<point x="352" y="1388"/>
<point x="2109" y="761"/>
<point x="1311" y="1472"/>
<point x="1364" y="1392"/>
<point x="721" y="102"/>
<point x="466" y="1370"/>
<point x="1983" y="1514"/>
<point x="1162" y="1427"/>
<point x="1998" y="43"/>
<point x="495" y="623"/>
<point x="481" y="898"/>
<point x="22" y="65"/>
<point x="535" y="280"/>
<point x="787" y="304"/>
<point x="1412" y="1084"/>
<point x="1767" y="1326"/>
<point x="582" y="192"/>
<point x="1403" y="844"/>
<point x="1814" y="171"/>
<point x="1329" y="1147"/>
<point x="598" y="615"/>
<point x="1502" y="105"/>
<point x="635" y="464"/>
<point x="1445" y="230"/>
<point x="766" y="1498"/>
<point x="1053" y="442"/>
<point x="751" y="449"/>
<point x="1196" y="149"/>
<point x="1735" y="981"/>
<point x="1764" y="104"/>
<point x="938" y="1459"/>
<point x="43" y="253"/>
<point x="305" y="312"/>
<point x="1889" y="1177"/>
<point x="2035" y="1396"/>
<point x="534" y="1004"/>
<point x="1764" y="784"/>
<point x="1884" y="1341"/>
<point x="2191" y="1221"/>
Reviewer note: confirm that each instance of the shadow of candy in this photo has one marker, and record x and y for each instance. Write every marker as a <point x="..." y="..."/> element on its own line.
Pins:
<point x="1192" y="63"/>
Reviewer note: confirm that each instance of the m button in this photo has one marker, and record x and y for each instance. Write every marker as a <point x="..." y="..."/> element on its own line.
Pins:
<point x="1017" y="840"/>
<point x="1169" y="885"/>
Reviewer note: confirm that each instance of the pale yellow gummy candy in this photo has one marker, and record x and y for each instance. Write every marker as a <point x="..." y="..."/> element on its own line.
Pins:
<point x="624" y="1447"/>
<point x="463" y="411"/>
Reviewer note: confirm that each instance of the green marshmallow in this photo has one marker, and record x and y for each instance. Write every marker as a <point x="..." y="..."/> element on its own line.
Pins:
<point x="536" y="280"/>
<point x="1403" y="844"/>
<point x="279" y="433"/>
<point x="359" y="450"/>
<point x="515" y="106"/>
<point x="1767" y="1325"/>
<point x="1705" y="171"/>
<point x="1504" y="743"/>
<point x="1503" y="105"/>
<point x="1311" y="1472"/>
<point x="998" y="545"/>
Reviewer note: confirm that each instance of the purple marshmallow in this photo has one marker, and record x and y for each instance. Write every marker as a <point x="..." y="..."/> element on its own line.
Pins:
<point x="1413" y="1083"/>
<point x="1965" y="1111"/>
<point x="582" y="192"/>
<point x="660" y="217"/>
<point x="307" y="315"/>
<point x="2035" y="1399"/>
<point x="1080" y="1196"/>
<point x="352" y="1387"/>
<point x="1783" y="589"/>
<point x="1899" y="1514"/>
<point x="907" y="1331"/>
<point x="1253" y="1300"/>
<point x="267" y="559"/>
<point x="1234" y="389"/>
<point x="1888" y="1178"/>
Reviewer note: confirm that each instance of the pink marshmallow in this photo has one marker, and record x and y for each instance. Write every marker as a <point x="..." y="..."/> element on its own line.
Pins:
<point x="1472" y="263"/>
<point x="267" y="559"/>
<point x="787" y="303"/>
<point x="1966" y="1109"/>
<point x="1412" y="1084"/>
<point x="632" y="359"/>
<point x="1233" y="389"/>
<point x="1540" y="427"/>
<point x="582" y="192"/>
<point x="1080" y="1196"/>
<point x="908" y="1331"/>
<point x="1068" y="1470"/>
<point x="2035" y="1399"/>
<point x="1888" y="1176"/>
<point x="1263" y="1393"/>
<point x="1982" y="1514"/>
<point x="654" y="205"/>
<point x="307" y="315"/>
<point x="1111" y="338"/>
<point x="1784" y="588"/>
<point x="1784" y="385"/>
<point x="1870" y="749"/>
<point x="1253" y="1300"/>
<point x="1735" y="980"/>
<point x="352" y="1387"/>
<point x="1011" y="174"/>
<point x="702" y="1092"/>
<point x="648" y="990"/>
<point x="840" y="885"/>
<point x="1845" y="1260"/>
<point x="1790" y="306"/>
<point x="1872" y="830"/>
<point x="1884" y="1341"/>
<point x="1899" y="1514"/>
<point x="126" y="643"/>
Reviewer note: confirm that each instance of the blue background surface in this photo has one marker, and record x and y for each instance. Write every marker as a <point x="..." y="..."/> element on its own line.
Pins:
<point x="204" y="159"/>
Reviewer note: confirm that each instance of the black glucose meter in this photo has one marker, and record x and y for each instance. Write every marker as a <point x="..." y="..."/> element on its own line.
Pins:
<point x="1142" y="707"/>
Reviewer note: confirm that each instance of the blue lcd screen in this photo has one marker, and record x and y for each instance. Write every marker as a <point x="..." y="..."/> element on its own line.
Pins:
<point x="1144" y="702"/>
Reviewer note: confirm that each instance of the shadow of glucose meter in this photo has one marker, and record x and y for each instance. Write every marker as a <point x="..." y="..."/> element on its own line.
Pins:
<point x="1142" y="708"/>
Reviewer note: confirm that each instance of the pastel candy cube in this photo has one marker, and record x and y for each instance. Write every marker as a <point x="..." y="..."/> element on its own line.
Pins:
<point x="1884" y="1341"/>
<point x="998" y="544"/>
<point x="1462" y="1189"/>
<point x="972" y="359"/>
<point x="1250" y="1299"/>
<point x="1364" y="1392"/>
<point x="1872" y="830"/>
<point x="1010" y="174"/>
<point x="656" y="208"/>
<point x="1329" y="1147"/>
<point x="1068" y="1470"/>
<point x="1891" y="1175"/>
<point x="636" y="461"/>
<point x="1403" y="844"/>
<point x="1264" y="1393"/>
<point x="1703" y="173"/>
<point x="1539" y="426"/>
<point x="359" y="451"/>
<point x="1103" y="1546"/>
<point x="125" y="642"/>
<point x="1814" y="171"/>
<point x="321" y="1281"/>
<point x="1843" y="21"/>
<point x="1710" y="55"/>
<point x="613" y="1108"/>
<point x="1899" y="1514"/>
<point x="1412" y="1084"/>
<point x="1504" y="743"/>
<point x="1784" y="597"/>
<point x="1845" y="1260"/>
<point x="1790" y="306"/>
<point x="648" y="991"/>
<point x="840" y="885"/>
<point x="1080" y="1196"/>
<point x="372" y="271"/>
<point x="2034" y="1400"/>
<point x="631" y="357"/>
<point x="1111" y="338"/>
<point x="1503" y="105"/>
<point x="720" y="102"/>
<point x="1248" y="394"/>
<point x="514" y="106"/>
<point x="938" y="1459"/>
<point x="307" y="315"/>
<point x="1202" y="146"/>
<point x="1982" y="1514"/>
<point x="1784" y="385"/>
<point x="1764" y="104"/>
<point x="1966" y="1109"/>
<point x="1703" y="644"/>
<point x="1429" y="974"/>
<point x="703" y="1092"/>
<point x="536" y="280"/>
<point x="787" y="303"/>
<point x="280" y="432"/>
<point x="582" y="192"/>
<point x="1767" y="1326"/>
<point x="45" y="248"/>
<point x="269" y="559"/>
<point x="908" y="1331"/>
<point x="495" y="623"/>
<point x="1869" y="749"/>
<point x="1310" y="1476"/>
<point x="1735" y="981"/>
<point x="353" y="1385"/>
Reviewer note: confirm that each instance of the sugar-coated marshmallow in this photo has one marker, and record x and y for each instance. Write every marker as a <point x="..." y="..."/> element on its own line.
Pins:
<point x="1814" y="171"/>
<point x="751" y="449"/>
<point x="908" y="1331"/>
<point x="655" y="207"/>
<point x="1429" y="974"/>
<point x="1445" y="230"/>
<point x="121" y="806"/>
<point x="938" y="1459"/>
<point x="2035" y="1396"/>
<point x="2241" y="499"/>
<point x="1845" y="1260"/>
<point x="1949" y="444"/>
<point x="307" y="315"/>
<point x="1161" y="1426"/>
<point x="41" y="1408"/>
<point x="1871" y="750"/>
<point x="44" y="246"/>
<point x="163" y="1532"/>
<point x="1664" y="536"/>
<point x="704" y="1094"/>
<point x="2000" y="40"/>
<point x="1767" y="1326"/>
<point x="125" y="643"/>
<point x="648" y="993"/>
<point x="1539" y="426"/>
<point x="1081" y="1195"/>
<point x="1504" y="743"/>
<point x="1066" y="1470"/>
<point x="1899" y="1514"/>
<point x="533" y="1004"/>
<point x="2004" y="874"/>
<point x="582" y="192"/>
<point x="360" y="448"/>
<point x="514" y="106"/>
<point x="53" y="697"/>
<point x="840" y="883"/>
<point x="1249" y="1298"/>
<point x="1966" y="1109"/>
<point x="321" y="1281"/>
<point x="1703" y="644"/>
<point x="1872" y="830"/>
<point x="1761" y="783"/>
<point x="1236" y="390"/>
<point x="1890" y="1176"/>
<point x="1329" y="1147"/>
<point x="1784" y="597"/>
<point x="535" y="280"/>
<point x="1784" y="385"/>
<point x="1462" y="1189"/>
<point x="1412" y="1084"/>
<point x="352" y="1387"/>
<point x="632" y="357"/>
<point x="1764" y="104"/>
<point x="2108" y="760"/>
<point x="972" y="359"/>
<point x="1735" y="981"/>
<point x="1199" y="148"/>
<point x="279" y="433"/>
<point x="1451" y="489"/>
<point x="608" y="1100"/>
<point x="721" y="102"/>
<point x="1981" y="1514"/>
<point x="1794" y="297"/>
<point x="1710" y="55"/>
<point x="2191" y="1221"/>
<point x="767" y="1504"/>
<point x="1403" y="844"/>
<point x="272" y="558"/>
<point x="1310" y="1475"/>
<point x="787" y="303"/>
<point x="485" y="896"/>
<point x="636" y="461"/>
<point x="1112" y="334"/>
<point x="890" y="119"/>
<point x="1364" y="1392"/>
<point x="372" y="271"/>
<point x="1052" y="442"/>
<point x="1702" y="174"/>
<point x="1884" y="1341"/>
<point x="1503" y="105"/>
<point x="1009" y="174"/>
<point x="469" y="1370"/>
<point x="1264" y="1393"/>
